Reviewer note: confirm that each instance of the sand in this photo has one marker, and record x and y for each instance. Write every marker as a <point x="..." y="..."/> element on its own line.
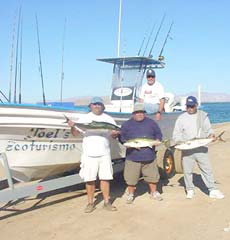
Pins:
<point x="61" y="216"/>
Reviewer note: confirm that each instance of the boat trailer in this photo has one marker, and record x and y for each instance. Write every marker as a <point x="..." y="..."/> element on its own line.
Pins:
<point x="22" y="190"/>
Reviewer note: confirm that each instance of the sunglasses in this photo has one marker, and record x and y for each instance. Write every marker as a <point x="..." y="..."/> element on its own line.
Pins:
<point x="188" y="106"/>
<point x="150" y="77"/>
<point x="100" y="104"/>
<point x="136" y="112"/>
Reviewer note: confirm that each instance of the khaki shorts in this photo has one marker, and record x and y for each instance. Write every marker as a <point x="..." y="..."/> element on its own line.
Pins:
<point x="91" y="167"/>
<point x="133" y="171"/>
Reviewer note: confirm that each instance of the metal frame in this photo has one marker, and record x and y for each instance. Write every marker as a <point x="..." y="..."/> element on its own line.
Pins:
<point x="22" y="190"/>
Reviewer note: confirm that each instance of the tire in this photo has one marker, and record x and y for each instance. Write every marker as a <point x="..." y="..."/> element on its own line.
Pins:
<point x="169" y="164"/>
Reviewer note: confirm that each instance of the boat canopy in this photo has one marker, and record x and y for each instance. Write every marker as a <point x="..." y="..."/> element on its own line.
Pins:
<point x="134" y="62"/>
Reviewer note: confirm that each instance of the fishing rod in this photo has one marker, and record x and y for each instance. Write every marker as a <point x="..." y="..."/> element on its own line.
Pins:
<point x="40" y="62"/>
<point x="16" y="63"/>
<point x="160" y="57"/>
<point x="62" y="62"/>
<point x="139" y="52"/>
<point x="158" y="31"/>
<point x="4" y="96"/>
<point x="20" y="70"/>
<point x="150" y="35"/>
<point x="12" y="57"/>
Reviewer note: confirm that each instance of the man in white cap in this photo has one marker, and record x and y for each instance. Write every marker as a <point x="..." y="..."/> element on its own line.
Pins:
<point x="189" y="125"/>
<point x="152" y="95"/>
<point x="96" y="157"/>
<point x="143" y="160"/>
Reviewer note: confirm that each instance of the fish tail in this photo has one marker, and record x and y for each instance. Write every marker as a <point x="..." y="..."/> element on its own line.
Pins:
<point x="219" y="137"/>
<point x="66" y="118"/>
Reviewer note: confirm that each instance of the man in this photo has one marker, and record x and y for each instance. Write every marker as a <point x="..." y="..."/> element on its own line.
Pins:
<point x="195" y="124"/>
<point x="96" y="159"/>
<point x="141" y="160"/>
<point x="152" y="95"/>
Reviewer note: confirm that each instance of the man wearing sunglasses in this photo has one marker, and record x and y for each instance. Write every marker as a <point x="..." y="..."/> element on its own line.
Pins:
<point x="193" y="124"/>
<point x="152" y="95"/>
<point x="96" y="157"/>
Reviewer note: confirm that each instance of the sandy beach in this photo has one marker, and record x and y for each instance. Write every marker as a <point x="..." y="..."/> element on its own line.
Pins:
<point x="60" y="215"/>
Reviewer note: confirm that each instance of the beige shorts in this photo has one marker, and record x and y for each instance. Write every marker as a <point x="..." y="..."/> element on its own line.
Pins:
<point x="93" y="167"/>
<point x="148" y="170"/>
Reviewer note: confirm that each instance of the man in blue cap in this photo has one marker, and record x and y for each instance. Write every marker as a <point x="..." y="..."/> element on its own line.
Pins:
<point x="193" y="124"/>
<point x="96" y="157"/>
<point x="152" y="94"/>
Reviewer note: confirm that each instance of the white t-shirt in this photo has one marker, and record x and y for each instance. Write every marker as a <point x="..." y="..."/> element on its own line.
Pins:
<point x="152" y="93"/>
<point x="96" y="141"/>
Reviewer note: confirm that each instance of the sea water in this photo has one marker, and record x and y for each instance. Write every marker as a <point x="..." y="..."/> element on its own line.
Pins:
<point x="218" y="112"/>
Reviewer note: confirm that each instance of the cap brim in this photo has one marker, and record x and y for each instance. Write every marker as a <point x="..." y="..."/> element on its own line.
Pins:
<point x="139" y="111"/>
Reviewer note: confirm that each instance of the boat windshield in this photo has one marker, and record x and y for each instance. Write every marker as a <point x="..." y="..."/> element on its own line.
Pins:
<point x="128" y="74"/>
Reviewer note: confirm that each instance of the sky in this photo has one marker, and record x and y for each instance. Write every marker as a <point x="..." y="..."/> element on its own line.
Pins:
<point x="197" y="51"/>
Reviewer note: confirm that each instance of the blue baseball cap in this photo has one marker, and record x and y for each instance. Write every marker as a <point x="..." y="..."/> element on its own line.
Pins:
<point x="191" y="101"/>
<point x="150" y="73"/>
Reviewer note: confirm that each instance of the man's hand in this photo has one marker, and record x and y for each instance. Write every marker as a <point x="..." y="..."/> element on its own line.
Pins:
<point x="115" y="133"/>
<point x="213" y="137"/>
<point x="158" y="116"/>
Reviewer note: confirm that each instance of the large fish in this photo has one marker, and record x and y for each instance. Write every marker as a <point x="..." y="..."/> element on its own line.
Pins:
<point x="97" y="125"/>
<point x="94" y="125"/>
<point x="141" y="142"/>
<point x="197" y="142"/>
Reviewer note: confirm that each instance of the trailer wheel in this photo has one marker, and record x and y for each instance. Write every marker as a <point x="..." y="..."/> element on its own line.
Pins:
<point x="169" y="164"/>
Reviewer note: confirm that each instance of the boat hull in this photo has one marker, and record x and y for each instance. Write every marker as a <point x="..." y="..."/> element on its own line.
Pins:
<point x="38" y="142"/>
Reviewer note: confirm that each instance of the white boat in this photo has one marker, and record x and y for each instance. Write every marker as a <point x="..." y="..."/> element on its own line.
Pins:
<point x="38" y="143"/>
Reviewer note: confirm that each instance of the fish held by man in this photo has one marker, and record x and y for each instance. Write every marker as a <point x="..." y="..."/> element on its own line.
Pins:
<point x="94" y="125"/>
<point x="141" y="142"/>
<point x="197" y="142"/>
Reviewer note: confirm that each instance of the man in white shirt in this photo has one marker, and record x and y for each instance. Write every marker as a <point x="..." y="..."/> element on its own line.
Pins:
<point x="96" y="157"/>
<point x="152" y="95"/>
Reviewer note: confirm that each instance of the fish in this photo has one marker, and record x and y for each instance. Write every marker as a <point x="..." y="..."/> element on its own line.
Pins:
<point x="141" y="142"/>
<point x="197" y="142"/>
<point x="97" y="125"/>
<point x="94" y="125"/>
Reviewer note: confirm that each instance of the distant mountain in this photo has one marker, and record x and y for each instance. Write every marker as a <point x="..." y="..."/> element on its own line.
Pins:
<point x="210" y="97"/>
<point x="205" y="97"/>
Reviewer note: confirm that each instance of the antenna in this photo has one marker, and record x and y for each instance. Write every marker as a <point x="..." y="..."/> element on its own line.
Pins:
<point x="20" y="70"/>
<point x="62" y="61"/>
<point x="16" y="64"/>
<point x="12" y="57"/>
<point x="40" y="63"/>
<point x="119" y="30"/>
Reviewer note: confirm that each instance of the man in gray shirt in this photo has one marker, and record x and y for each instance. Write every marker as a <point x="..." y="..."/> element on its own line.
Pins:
<point x="189" y="125"/>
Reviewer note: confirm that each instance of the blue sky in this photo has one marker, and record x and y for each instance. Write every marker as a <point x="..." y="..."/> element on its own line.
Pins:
<point x="197" y="54"/>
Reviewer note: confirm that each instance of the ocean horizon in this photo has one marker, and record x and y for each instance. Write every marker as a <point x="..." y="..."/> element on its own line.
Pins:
<point x="218" y="112"/>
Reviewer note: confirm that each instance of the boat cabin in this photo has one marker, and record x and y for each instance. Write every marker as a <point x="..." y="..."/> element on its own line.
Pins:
<point x="127" y="79"/>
